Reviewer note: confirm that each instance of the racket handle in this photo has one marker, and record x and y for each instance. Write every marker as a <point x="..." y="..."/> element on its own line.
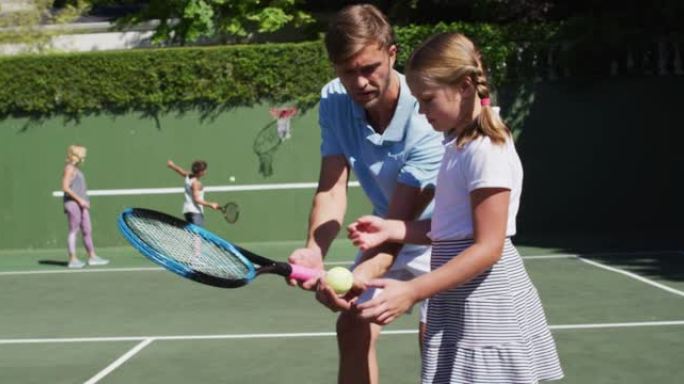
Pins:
<point x="301" y="273"/>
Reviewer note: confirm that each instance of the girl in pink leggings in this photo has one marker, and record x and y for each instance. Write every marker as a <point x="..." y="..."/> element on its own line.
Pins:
<point x="77" y="208"/>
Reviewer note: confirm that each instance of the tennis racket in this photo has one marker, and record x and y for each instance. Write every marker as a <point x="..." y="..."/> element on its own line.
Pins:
<point x="197" y="254"/>
<point x="231" y="212"/>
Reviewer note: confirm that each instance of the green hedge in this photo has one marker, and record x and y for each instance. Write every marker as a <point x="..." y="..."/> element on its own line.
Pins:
<point x="161" y="79"/>
<point x="210" y="79"/>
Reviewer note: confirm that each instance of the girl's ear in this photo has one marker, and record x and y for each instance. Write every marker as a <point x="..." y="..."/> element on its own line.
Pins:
<point x="467" y="88"/>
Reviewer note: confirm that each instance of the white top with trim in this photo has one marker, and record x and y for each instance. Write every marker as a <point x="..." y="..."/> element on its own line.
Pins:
<point x="189" y="205"/>
<point x="479" y="164"/>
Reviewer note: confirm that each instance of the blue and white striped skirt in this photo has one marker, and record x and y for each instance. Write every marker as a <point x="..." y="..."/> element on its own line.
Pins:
<point x="489" y="330"/>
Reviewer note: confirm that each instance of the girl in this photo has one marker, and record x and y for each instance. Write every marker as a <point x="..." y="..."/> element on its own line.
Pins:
<point x="193" y="206"/>
<point x="485" y="323"/>
<point x="77" y="208"/>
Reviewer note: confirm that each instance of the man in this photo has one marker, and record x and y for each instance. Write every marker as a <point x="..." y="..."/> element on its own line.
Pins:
<point x="369" y="123"/>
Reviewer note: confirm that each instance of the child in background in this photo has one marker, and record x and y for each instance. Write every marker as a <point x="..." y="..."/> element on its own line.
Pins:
<point x="77" y="208"/>
<point x="485" y="322"/>
<point x="193" y="206"/>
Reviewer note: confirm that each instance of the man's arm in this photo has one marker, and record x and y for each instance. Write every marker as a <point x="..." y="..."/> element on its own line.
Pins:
<point x="329" y="204"/>
<point x="326" y="216"/>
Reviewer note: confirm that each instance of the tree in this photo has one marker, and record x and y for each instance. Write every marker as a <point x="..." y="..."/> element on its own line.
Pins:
<point x="186" y="21"/>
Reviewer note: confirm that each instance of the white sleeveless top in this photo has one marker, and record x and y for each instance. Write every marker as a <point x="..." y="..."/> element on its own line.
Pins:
<point x="189" y="205"/>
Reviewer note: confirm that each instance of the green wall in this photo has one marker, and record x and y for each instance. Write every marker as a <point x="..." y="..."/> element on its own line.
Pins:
<point x="600" y="155"/>
<point x="603" y="156"/>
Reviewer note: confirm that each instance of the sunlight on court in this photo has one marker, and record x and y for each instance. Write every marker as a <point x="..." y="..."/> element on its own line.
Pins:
<point x="134" y="320"/>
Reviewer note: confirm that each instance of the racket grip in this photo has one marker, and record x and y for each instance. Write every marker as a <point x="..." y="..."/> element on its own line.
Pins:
<point x="301" y="273"/>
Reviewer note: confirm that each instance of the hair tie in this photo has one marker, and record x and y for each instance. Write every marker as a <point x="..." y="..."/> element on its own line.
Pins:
<point x="485" y="102"/>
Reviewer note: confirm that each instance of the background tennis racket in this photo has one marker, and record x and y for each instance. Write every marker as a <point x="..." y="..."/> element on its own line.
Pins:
<point x="231" y="212"/>
<point x="197" y="254"/>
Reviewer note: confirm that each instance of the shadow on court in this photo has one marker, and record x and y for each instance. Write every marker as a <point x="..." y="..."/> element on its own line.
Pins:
<point x="657" y="254"/>
<point x="59" y="263"/>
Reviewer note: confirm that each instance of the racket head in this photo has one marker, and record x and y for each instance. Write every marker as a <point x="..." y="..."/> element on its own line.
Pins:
<point x="186" y="249"/>
<point x="231" y="212"/>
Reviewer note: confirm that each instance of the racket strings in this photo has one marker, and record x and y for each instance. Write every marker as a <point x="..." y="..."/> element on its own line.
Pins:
<point x="188" y="248"/>
<point x="231" y="212"/>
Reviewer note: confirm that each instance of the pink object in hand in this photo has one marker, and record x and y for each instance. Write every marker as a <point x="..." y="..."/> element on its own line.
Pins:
<point x="301" y="273"/>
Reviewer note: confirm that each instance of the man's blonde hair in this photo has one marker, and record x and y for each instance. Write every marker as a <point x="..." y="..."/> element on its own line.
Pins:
<point x="447" y="59"/>
<point x="355" y="27"/>
<point x="75" y="154"/>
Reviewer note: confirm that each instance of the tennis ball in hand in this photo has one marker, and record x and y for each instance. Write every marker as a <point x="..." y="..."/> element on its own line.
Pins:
<point x="340" y="279"/>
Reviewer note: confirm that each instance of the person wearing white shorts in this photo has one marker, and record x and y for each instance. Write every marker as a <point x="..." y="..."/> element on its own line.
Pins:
<point x="370" y="125"/>
<point x="411" y="262"/>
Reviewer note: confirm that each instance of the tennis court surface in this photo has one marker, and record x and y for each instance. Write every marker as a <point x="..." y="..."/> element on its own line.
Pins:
<point x="618" y="317"/>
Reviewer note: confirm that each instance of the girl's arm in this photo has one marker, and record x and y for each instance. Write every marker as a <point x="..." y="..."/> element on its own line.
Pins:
<point x="197" y="198"/>
<point x="490" y="216"/>
<point x="370" y="231"/>
<point x="68" y="176"/>
<point x="177" y="169"/>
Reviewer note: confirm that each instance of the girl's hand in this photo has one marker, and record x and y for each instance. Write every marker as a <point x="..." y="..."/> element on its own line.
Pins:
<point x="170" y="164"/>
<point x="368" y="232"/>
<point x="84" y="204"/>
<point x="215" y="206"/>
<point x="396" y="298"/>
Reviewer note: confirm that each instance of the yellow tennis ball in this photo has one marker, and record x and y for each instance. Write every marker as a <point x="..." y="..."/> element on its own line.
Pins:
<point x="340" y="279"/>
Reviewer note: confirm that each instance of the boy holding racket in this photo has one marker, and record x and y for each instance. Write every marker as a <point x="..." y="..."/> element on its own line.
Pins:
<point x="369" y="124"/>
<point x="194" y="203"/>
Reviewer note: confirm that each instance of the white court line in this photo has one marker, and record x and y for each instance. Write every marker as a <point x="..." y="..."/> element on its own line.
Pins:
<point x="143" y="269"/>
<point x="139" y="269"/>
<point x="216" y="188"/>
<point x="549" y="257"/>
<point x="633" y="276"/>
<point x="309" y="334"/>
<point x="118" y="362"/>
<point x="48" y="272"/>
<point x="145" y="341"/>
<point x="561" y="327"/>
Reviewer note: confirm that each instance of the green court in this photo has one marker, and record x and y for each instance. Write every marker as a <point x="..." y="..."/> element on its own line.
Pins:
<point x="590" y="91"/>
<point x="617" y="318"/>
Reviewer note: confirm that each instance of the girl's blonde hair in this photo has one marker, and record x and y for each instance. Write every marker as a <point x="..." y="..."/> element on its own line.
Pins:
<point x="75" y="154"/>
<point x="447" y="59"/>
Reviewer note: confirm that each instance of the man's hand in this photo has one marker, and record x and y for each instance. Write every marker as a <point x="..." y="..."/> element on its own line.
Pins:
<point x="309" y="258"/>
<point x="327" y="296"/>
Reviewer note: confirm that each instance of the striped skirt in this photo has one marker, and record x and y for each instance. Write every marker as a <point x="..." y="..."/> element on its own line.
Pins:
<point x="489" y="330"/>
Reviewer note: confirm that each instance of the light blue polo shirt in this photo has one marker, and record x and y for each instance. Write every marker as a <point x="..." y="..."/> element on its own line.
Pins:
<point x="408" y="152"/>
